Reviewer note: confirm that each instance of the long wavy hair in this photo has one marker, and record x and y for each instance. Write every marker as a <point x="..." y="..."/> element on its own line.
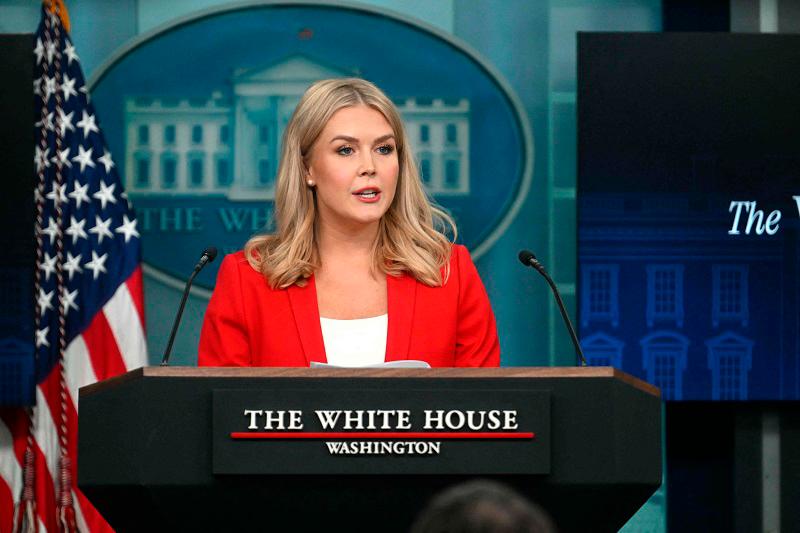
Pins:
<point x="412" y="233"/>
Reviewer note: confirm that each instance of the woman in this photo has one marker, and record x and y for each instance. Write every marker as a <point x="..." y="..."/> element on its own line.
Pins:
<point x="359" y="271"/>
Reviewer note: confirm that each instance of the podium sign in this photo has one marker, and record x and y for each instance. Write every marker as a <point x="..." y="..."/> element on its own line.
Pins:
<point x="347" y="430"/>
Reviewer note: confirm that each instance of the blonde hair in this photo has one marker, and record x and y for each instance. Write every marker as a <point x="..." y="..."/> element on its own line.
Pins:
<point x="410" y="234"/>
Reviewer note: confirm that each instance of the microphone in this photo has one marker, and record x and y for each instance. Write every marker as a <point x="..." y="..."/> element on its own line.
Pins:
<point x="527" y="258"/>
<point x="209" y="254"/>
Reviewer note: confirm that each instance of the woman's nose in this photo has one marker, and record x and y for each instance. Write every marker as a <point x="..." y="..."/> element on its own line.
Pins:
<point x="367" y="166"/>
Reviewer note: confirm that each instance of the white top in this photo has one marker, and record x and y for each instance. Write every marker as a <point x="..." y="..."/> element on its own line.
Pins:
<point x="357" y="342"/>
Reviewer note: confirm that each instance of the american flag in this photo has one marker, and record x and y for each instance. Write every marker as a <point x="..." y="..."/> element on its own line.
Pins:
<point x="89" y="304"/>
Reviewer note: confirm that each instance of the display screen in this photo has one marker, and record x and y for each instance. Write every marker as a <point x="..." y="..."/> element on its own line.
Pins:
<point x="688" y="211"/>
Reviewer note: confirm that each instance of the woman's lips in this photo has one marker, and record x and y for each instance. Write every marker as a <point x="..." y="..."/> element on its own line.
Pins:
<point x="368" y="195"/>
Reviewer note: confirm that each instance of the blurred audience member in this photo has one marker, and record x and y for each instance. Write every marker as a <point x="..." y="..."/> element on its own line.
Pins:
<point x="482" y="506"/>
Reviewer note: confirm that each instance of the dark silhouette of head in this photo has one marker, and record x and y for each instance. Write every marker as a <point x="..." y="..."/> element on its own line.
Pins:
<point x="482" y="506"/>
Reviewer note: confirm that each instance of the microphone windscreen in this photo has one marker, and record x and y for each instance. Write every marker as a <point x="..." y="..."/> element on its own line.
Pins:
<point x="525" y="257"/>
<point x="211" y="253"/>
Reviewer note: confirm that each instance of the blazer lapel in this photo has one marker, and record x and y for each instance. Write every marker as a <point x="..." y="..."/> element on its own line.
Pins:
<point x="306" y="315"/>
<point x="401" y="295"/>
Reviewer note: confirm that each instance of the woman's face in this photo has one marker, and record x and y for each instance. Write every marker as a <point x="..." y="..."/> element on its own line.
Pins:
<point x="354" y="166"/>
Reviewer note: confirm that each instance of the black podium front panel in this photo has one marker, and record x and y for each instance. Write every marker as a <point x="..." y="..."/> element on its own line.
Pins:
<point x="148" y="440"/>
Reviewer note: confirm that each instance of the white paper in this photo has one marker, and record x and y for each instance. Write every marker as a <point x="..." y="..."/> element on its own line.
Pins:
<point x="405" y="363"/>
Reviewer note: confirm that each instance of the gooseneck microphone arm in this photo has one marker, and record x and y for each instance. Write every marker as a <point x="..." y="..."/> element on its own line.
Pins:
<point x="528" y="259"/>
<point x="209" y="254"/>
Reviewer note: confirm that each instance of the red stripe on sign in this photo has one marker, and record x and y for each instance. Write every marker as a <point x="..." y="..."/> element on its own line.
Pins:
<point x="103" y="349"/>
<point x="380" y="435"/>
<point x="136" y="288"/>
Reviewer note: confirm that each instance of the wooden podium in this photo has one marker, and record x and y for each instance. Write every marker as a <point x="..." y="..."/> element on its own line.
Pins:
<point x="221" y="449"/>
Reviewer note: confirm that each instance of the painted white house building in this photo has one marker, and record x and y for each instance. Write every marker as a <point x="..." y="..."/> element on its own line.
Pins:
<point x="230" y="145"/>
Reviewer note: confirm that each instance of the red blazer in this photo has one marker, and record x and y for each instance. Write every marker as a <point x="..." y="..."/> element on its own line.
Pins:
<point x="249" y="324"/>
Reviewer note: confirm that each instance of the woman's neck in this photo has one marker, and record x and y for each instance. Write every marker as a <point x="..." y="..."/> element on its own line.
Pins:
<point x="346" y="246"/>
<point x="347" y="283"/>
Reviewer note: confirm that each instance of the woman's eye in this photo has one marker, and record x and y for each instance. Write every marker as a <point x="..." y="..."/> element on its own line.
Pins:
<point x="345" y="150"/>
<point x="386" y="149"/>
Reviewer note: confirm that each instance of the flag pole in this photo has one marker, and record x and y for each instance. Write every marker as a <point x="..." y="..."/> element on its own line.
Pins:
<point x="58" y="8"/>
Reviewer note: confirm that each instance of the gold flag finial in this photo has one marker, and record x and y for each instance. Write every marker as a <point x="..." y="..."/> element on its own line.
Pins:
<point x="58" y="7"/>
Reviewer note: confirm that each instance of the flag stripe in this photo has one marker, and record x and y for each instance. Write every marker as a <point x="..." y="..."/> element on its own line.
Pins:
<point x="80" y="505"/>
<point x="79" y="373"/>
<point x="103" y="350"/>
<point x="45" y="490"/>
<point x="10" y="478"/>
<point x="136" y="288"/>
<point x="48" y="407"/>
<point x="123" y="319"/>
<point x="79" y="366"/>
<point x="10" y="472"/>
<point x="91" y="517"/>
<point x="6" y="507"/>
<point x="46" y="437"/>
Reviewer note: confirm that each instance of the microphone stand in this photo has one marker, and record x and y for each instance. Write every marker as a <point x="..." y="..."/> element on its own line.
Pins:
<point x="208" y="255"/>
<point x="528" y="259"/>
